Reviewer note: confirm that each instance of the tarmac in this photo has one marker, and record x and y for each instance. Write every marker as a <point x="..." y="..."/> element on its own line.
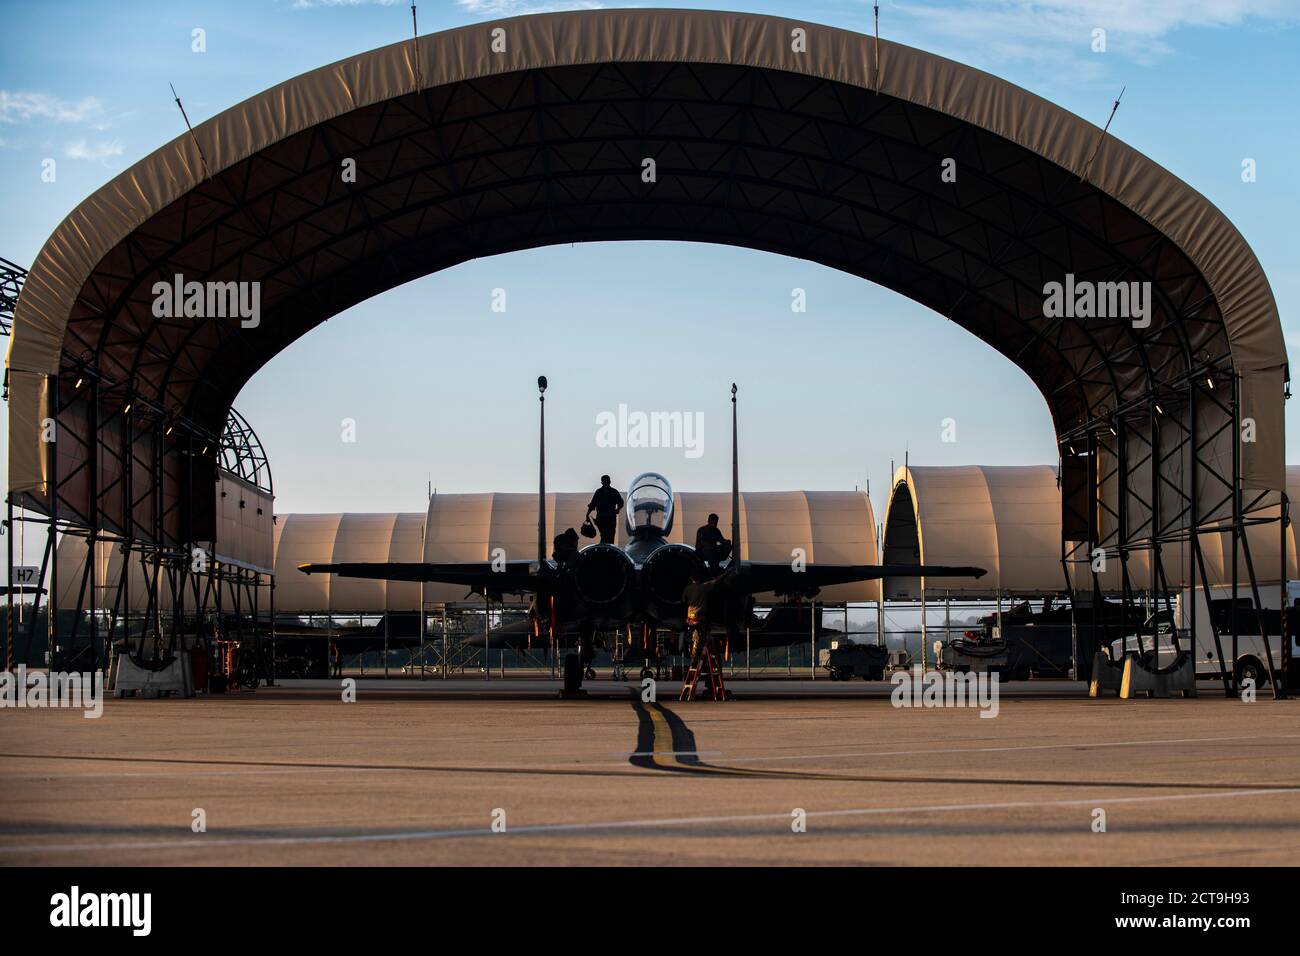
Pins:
<point x="503" y="772"/>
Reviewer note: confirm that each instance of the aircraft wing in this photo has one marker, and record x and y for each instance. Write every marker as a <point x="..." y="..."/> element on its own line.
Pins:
<point x="757" y="577"/>
<point x="513" y="577"/>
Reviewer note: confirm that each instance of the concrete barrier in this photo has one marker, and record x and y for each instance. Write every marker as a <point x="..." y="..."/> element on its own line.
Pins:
<point x="173" y="678"/>
<point x="1106" y="675"/>
<point x="1139" y="680"/>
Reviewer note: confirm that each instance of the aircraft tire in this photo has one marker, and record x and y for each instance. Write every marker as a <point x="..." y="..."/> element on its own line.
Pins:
<point x="572" y="673"/>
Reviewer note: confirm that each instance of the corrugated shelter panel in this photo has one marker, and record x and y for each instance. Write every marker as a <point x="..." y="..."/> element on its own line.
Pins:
<point x="304" y="538"/>
<point x="229" y="542"/>
<point x="407" y="547"/>
<point x="1011" y="144"/>
<point x="1264" y="459"/>
<point x="362" y="538"/>
<point x="774" y="524"/>
<point x="27" y="458"/>
<point x="257" y="534"/>
<point x="457" y="528"/>
<point x="1026" y="504"/>
<point x="954" y="525"/>
<point x="244" y="532"/>
<point x="512" y="532"/>
<point x="844" y="529"/>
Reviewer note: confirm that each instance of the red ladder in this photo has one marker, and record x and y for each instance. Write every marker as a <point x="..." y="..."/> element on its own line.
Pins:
<point x="705" y="660"/>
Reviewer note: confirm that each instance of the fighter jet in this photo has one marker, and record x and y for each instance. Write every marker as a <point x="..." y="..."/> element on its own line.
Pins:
<point x="606" y="587"/>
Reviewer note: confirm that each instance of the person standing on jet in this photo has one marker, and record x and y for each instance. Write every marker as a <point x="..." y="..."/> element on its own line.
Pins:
<point x="710" y="545"/>
<point x="606" y="503"/>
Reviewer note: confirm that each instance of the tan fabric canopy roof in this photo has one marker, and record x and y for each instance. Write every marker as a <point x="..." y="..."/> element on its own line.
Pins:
<point x="1005" y="519"/>
<point x="1008" y="519"/>
<point x="832" y="527"/>
<point x="262" y="202"/>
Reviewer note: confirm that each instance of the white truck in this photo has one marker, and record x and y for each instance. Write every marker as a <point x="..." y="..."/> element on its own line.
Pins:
<point x="1252" y="657"/>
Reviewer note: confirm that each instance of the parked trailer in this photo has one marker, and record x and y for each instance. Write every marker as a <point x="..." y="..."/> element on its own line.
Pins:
<point x="846" y="660"/>
<point x="973" y="657"/>
<point x="1031" y="644"/>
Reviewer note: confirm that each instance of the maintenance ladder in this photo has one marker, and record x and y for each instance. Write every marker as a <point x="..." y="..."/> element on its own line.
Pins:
<point x="704" y="660"/>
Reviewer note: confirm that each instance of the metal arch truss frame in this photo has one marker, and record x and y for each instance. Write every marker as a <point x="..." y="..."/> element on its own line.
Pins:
<point x="1135" y="505"/>
<point x="130" y="454"/>
<point x="242" y="455"/>
<point x="11" y="282"/>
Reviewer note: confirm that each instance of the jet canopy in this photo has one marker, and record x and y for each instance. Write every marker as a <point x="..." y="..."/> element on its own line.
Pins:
<point x="649" y="504"/>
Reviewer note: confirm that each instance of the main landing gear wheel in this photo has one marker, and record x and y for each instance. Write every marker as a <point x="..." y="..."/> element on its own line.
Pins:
<point x="646" y="672"/>
<point x="591" y="673"/>
<point x="572" y="675"/>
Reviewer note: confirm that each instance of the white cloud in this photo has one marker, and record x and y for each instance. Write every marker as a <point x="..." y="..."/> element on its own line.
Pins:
<point x="1044" y="30"/>
<point x="93" y="152"/>
<point x="305" y="4"/>
<point x="22" y="106"/>
<point x="513" y="8"/>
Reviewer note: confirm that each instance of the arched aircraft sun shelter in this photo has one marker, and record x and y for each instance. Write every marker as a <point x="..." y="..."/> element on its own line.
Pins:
<point x="834" y="527"/>
<point x="1008" y="519"/>
<point x="759" y="131"/>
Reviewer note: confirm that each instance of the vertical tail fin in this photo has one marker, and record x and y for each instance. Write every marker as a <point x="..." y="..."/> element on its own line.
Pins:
<point x="735" y="481"/>
<point x="541" y="471"/>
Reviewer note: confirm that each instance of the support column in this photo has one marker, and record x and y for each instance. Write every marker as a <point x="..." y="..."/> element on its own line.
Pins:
<point x="9" y="596"/>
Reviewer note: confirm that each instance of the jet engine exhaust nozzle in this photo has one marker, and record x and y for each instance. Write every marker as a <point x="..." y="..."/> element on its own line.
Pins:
<point x="602" y="575"/>
<point x="666" y="573"/>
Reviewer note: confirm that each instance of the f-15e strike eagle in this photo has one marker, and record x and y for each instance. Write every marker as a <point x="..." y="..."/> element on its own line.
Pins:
<point x="606" y="587"/>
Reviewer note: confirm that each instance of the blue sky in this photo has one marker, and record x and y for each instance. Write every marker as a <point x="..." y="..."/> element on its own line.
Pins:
<point x="441" y="387"/>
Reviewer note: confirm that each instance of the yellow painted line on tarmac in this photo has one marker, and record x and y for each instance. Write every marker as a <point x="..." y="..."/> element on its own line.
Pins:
<point x="665" y="756"/>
